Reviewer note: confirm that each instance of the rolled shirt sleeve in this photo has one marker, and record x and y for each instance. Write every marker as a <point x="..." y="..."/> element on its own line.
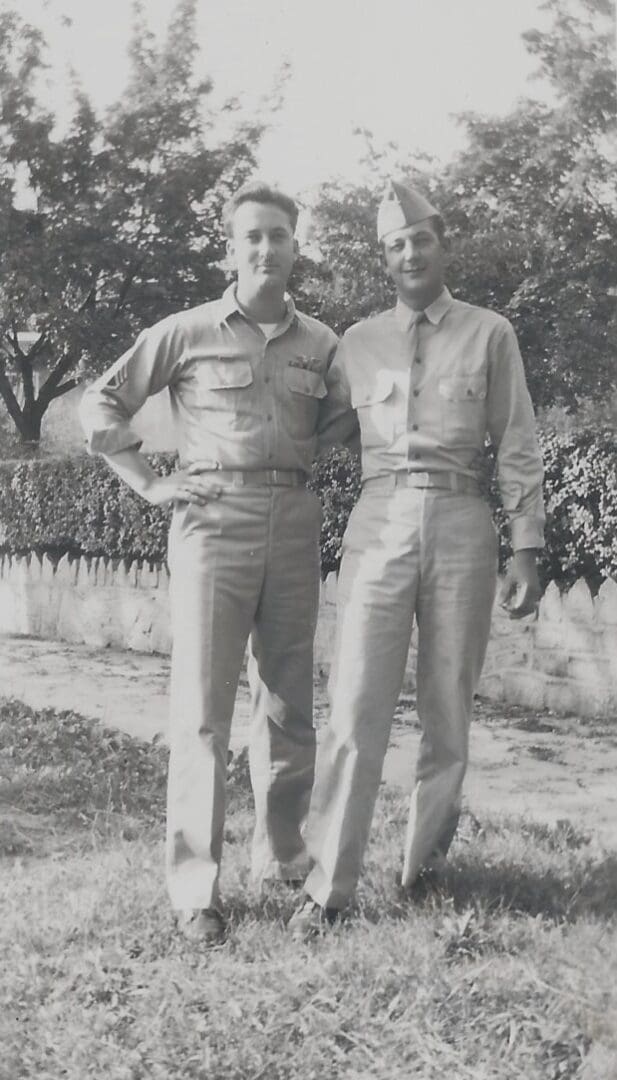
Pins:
<point x="512" y="430"/>
<point x="110" y="402"/>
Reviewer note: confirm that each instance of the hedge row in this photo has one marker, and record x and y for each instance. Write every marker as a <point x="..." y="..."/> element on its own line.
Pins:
<point x="77" y="506"/>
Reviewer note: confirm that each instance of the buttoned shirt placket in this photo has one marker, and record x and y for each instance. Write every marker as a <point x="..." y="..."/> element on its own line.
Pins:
<point x="271" y="372"/>
<point x="267" y="374"/>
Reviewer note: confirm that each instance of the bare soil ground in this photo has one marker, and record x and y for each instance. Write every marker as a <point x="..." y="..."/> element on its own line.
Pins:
<point x="540" y="766"/>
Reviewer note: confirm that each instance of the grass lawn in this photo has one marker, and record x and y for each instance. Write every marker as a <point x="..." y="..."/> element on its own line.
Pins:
<point x="510" y="973"/>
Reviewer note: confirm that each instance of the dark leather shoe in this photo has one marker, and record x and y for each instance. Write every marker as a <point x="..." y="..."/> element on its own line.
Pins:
<point x="311" y="919"/>
<point x="430" y="880"/>
<point x="205" y="925"/>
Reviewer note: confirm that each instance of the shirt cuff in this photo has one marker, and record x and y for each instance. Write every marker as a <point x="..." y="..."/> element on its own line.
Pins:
<point x="112" y="440"/>
<point x="526" y="532"/>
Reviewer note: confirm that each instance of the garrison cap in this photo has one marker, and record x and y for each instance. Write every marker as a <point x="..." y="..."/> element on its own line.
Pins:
<point x="402" y="206"/>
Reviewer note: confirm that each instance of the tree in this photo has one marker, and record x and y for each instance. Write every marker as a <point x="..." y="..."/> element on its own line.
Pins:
<point x="531" y="212"/>
<point x="124" y="226"/>
<point x="536" y="225"/>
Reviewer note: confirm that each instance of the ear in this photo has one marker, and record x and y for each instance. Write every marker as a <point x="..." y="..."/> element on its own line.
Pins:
<point x="384" y="261"/>
<point x="231" y="251"/>
<point x="296" y="248"/>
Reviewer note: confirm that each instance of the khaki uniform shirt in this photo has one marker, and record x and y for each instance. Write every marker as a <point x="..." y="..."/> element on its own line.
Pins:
<point x="238" y="399"/>
<point x="427" y="395"/>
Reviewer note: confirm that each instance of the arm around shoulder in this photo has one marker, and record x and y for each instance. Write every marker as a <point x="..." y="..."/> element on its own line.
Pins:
<point x="338" y="422"/>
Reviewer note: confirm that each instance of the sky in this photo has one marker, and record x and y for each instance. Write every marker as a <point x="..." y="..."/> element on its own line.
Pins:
<point x="401" y="68"/>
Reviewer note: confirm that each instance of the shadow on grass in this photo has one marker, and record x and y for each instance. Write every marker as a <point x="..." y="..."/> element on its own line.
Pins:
<point x="499" y="889"/>
<point x="588" y="890"/>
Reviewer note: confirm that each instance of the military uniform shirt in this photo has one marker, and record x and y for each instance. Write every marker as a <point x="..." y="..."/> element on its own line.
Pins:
<point x="428" y="393"/>
<point x="237" y="399"/>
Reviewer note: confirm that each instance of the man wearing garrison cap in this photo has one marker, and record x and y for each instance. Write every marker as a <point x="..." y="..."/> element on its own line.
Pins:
<point x="429" y="379"/>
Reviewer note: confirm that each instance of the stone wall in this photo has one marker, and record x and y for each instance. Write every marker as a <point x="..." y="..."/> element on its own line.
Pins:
<point x="90" y="602"/>
<point x="566" y="659"/>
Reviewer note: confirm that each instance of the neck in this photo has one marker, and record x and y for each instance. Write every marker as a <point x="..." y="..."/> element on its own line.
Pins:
<point x="266" y="306"/>
<point x="420" y="303"/>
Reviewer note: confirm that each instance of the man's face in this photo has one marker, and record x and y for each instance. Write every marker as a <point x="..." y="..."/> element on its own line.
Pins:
<point x="415" y="262"/>
<point x="262" y="248"/>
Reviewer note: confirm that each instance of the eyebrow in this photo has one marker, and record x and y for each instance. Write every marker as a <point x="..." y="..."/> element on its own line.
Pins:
<point x="278" y="230"/>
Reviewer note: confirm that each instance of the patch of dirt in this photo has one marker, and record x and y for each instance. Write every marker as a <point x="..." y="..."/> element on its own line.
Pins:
<point x="541" y="766"/>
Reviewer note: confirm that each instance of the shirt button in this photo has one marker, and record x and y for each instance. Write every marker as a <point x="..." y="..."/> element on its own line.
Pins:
<point x="416" y="393"/>
<point x="266" y="378"/>
<point x="414" y="427"/>
<point x="269" y="416"/>
<point x="418" y="359"/>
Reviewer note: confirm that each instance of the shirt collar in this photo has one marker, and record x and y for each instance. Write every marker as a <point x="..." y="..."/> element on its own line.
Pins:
<point x="434" y="312"/>
<point x="228" y="304"/>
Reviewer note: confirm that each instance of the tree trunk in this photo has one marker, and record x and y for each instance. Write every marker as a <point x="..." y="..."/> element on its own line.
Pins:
<point x="28" y="416"/>
<point x="29" y="426"/>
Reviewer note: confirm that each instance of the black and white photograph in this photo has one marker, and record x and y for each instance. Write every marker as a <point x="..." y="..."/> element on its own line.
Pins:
<point x="308" y="540"/>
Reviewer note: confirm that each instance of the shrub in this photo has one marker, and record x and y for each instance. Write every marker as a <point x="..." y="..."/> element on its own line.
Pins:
<point x="580" y="488"/>
<point x="78" y="506"/>
<point x="336" y="480"/>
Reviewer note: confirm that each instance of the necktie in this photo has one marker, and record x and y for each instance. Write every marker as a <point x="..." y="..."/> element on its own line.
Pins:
<point x="415" y="371"/>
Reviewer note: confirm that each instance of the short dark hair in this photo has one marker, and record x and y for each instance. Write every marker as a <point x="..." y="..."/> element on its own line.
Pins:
<point x="256" y="191"/>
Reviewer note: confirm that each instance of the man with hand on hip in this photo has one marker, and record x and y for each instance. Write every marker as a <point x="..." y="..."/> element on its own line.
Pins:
<point x="429" y="379"/>
<point x="246" y="375"/>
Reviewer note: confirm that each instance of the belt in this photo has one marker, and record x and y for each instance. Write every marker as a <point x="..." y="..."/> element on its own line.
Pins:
<point x="444" y="480"/>
<point x="260" y="477"/>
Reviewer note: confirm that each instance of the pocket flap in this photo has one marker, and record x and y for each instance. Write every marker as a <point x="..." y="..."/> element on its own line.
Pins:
<point x="463" y="387"/>
<point x="224" y="373"/>
<point x="302" y="381"/>
<point x="373" y="392"/>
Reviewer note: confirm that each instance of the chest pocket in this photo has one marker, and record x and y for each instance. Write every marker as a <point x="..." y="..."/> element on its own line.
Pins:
<point x="303" y="390"/>
<point x="221" y="382"/>
<point x="302" y="381"/>
<point x="463" y="409"/>
<point x="374" y="403"/>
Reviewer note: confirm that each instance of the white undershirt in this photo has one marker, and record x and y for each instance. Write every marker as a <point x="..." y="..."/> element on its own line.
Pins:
<point x="267" y="328"/>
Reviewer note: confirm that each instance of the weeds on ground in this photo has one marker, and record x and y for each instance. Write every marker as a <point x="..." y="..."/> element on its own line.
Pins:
<point x="506" y="972"/>
<point x="59" y="772"/>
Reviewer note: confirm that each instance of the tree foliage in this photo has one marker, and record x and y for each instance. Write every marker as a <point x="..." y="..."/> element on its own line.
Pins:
<point x="531" y="211"/>
<point x="541" y="182"/>
<point x="124" y="225"/>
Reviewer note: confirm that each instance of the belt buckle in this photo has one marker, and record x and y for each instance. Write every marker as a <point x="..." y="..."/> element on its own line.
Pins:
<point x="420" y="479"/>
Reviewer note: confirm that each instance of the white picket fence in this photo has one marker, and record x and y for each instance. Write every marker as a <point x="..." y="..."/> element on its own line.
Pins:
<point x="566" y="659"/>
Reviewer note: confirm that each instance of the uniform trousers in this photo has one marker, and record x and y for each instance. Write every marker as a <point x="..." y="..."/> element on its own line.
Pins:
<point x="246" y="565"/>
<point x="407" y="552"/>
